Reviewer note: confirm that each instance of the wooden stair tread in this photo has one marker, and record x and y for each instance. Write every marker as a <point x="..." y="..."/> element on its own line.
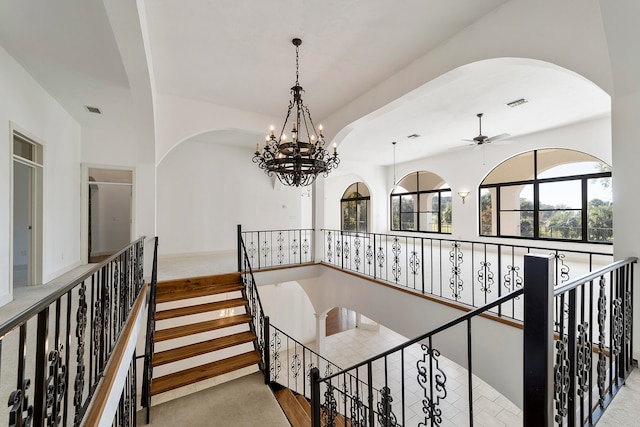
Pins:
<point x="203" y="372"/>
<point x="292" y="408"/>
<point x="219" y="279"/>
<point x="305" y="404"/>
<point x="196" y="328"/>
<point x="208" y="346"/>
<point x="200" y="308"/>
<point x="188" y="290"/>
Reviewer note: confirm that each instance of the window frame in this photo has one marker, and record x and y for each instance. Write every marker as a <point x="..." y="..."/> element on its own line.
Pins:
<point x="358" y="200"/>
<point x="536" y="182"/>
<point x="417" y="210"/>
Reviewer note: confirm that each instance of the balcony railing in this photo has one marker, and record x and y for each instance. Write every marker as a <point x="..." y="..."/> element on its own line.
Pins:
<point x="276" y="248"/>
<point x="285" y="360"/>
<point x="60" y="348"/>
<point x="577" y="340"/>
<point x="584" y="371"/>
<point x="466" y="272"/>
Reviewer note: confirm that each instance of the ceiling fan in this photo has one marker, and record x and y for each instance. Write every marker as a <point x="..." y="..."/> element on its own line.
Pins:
<point x="480" y="140"/>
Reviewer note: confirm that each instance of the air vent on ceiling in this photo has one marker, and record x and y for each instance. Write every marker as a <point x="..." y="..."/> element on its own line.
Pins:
<point x="413" y="136"/>
<point x="94" y="110"/>
<point x="517" y="102"/>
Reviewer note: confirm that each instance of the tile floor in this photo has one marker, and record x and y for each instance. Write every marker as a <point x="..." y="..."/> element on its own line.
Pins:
<point x="491" y="409"/>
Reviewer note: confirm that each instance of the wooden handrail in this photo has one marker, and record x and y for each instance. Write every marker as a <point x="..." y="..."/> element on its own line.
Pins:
<point x="97" y="407"/>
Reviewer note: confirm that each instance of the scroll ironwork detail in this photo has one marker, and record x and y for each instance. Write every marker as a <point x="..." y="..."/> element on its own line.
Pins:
<point x="386" y="417"/>
<point x="21" y="413"/>
<point x="583" y="359"/>
<point x="276" y="366"/>
<point x="414" y="263"/>
<point x="561" y="378"/>
<point x="280" y="252"/>
<point x="433" y="380"/>
<point x="396" y="269"/>
<point x="485" y="277"/>
<point x="602" y="361"/>
<point x="329" y="408"/>
<point x="81" y="326"/>
<point x="456" y="258"/>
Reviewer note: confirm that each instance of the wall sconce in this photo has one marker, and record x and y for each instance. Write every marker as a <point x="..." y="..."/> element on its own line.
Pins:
<point x="463" y="195"/>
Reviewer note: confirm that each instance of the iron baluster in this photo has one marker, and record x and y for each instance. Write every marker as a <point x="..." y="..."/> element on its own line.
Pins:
<point x="432" y="380"/>
<point x="329" y="408"/>
<point x="280" y="252"/>
<point x="396" y="269"/>
<point x="456" y="259"/>
<point x="356" y="258"/>
<point x="602" y="363"/>
<point x="81" y="325"/>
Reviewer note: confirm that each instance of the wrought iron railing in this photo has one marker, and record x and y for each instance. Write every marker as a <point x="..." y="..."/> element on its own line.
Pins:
<point x="377" y="390"/>
<point x="594" y="348"/>
<point x="285" y="360"/>
<point x="413" y="388"/>
<point x="275" y="248"/>
<point x="60" y="346"/>
<point x="467" y="272"/>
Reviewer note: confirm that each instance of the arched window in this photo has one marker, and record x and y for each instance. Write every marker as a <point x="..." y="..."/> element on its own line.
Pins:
<point x="354" y="208"/>
<point x="548" y="194"/>
<point x="421" y="202"/>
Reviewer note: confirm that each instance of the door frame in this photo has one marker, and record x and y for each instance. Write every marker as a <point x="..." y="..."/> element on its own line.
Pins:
<point x="84" y="204"/>
<point x="35" y="255"/>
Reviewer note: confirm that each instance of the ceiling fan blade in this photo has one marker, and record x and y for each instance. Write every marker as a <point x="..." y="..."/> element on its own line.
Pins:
<point x="462" y="147"/>
<point x="498" y="137"/>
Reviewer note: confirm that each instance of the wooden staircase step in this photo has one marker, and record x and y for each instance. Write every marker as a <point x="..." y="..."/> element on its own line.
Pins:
<point x="220" y="279"/>
<point x="190" y="288"/>
<point x="200" y="308"/>
<point x="187" y="351"/>
<point x="196" y="328"/>
<point x="306" y="405"/>
<point x="292" y="408"/>
<point x="203" y="372"/>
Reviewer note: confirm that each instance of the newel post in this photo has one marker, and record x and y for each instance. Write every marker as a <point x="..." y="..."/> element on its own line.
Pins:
<point x="538" y="340"/>
<point x="239" y="239"/>
<point x="314" y="375"/>
<point x="266" y="351"/>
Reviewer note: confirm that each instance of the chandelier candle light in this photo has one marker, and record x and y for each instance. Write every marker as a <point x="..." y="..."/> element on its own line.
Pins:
<point x="299" y="162"/>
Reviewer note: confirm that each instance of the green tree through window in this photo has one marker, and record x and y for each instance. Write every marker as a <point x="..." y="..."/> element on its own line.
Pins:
<point x="548" y="194"/>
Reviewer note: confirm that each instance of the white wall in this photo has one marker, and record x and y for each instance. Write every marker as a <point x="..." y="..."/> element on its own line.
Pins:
<point x="206" y="189"/>
<point x="32" y="110"/>
<point x="290" y="309"/>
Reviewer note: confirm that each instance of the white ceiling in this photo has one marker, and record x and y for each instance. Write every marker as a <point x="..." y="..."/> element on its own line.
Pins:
<point x="239" y="54"/>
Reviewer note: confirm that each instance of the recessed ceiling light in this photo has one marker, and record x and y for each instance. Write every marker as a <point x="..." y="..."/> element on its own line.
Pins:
<point x="413" y="136"/>
<point x="94" y="110"/>
<point x="517" y="102"/>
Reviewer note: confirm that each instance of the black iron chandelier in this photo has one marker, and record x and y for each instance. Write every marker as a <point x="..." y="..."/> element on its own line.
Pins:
<point x="298" y="162"/>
